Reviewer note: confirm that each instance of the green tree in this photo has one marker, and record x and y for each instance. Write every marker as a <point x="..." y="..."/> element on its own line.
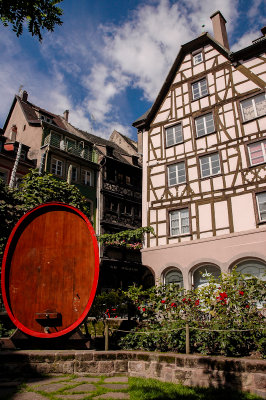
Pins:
<point x="35" y="189"/>
<point x="39" y="15"/>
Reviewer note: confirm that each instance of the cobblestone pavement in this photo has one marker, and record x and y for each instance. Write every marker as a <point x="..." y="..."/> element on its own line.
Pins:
<point x="66" y="388"/>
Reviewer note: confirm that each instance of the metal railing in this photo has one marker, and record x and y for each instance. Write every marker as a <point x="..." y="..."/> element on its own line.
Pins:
<point x="85" y="152"/>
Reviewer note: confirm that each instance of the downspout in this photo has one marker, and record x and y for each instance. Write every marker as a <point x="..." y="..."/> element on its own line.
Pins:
<point x="15" y="167"/>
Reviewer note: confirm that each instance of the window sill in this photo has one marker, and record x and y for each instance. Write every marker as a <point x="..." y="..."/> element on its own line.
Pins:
<point x="262" y="222"/>
<point x="202" y="97"/>
<point x="210" y="176"/>
<point x="175" y="144"/>
<point x="177" y="236"/>
<point x="256" y="165"/>
<point x="207" y="134"/>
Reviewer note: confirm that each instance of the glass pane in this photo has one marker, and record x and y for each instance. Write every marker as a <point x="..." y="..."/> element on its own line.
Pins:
<point x="205" y="166"/>
<point x="169" y="137"/>
<point x="195" y="90"/>
<point x="178" y="133"/>
<point x="174" y="276"/>
<point x="203" y="87"/>
<point x="252" y="267"/>
<point x="260" y="104"/>
<point x="248" y="109"/>
<point x="256" y="153"/>
<point x="181" y="172"/>
<point x="197" y="58"/>
<point x="209" y="123"/>
<point x="172" y="175"/>
<point x="200" y="128"/>
<point x="202" y="274"/>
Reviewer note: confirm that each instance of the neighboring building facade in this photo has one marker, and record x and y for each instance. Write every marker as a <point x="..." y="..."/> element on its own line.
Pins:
<point x="204" y="163"/>
<point x="56" y="148"/>
<point x="8" y="154"/>
<point x="107" y="172"/>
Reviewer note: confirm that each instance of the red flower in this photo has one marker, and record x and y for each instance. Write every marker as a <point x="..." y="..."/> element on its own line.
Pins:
<point x="184" y="300"/>
<point x="163" y="301"/>
<point x="196" y="302"/>
<point x="173" y="305"/>
<point x="189" y="299"/>
<point x="241" y="293"/>
<point x="144" y="309"/>
<point x="138" y="308"/>
<point x="247" y="306"/>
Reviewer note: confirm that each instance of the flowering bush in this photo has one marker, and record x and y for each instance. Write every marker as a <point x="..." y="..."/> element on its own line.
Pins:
<point x="223" y="317"/>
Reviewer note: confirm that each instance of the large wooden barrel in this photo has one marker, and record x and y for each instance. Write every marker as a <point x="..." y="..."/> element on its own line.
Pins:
<point x="50" y="270"/>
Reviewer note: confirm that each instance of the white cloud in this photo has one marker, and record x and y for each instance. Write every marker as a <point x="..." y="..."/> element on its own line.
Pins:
<point x="245" y="40"/>
<point x="89" y="68"/>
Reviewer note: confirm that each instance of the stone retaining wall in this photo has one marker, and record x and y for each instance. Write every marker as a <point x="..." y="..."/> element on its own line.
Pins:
<point x="193" y="370"/>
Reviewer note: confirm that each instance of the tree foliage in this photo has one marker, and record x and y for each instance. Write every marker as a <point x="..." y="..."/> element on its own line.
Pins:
<point x="35" y="189"/>
<point x="38" y="14"/>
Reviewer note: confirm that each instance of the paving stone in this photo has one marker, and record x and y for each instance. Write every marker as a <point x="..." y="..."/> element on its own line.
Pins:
<point x="52" y="387"/>
<point x="85" y="379"/>
<point x="113" y="395"/>
<point x="116" y="379"/>
<point x="71" y="396"/>
<point x="86" y="387"/>
<point x="28" y="396"/>
<point x="115" y="386"/>
<point x="44" y="380"/>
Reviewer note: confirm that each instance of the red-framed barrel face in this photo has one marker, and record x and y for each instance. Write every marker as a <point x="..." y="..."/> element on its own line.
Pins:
<point x="50" y="270"/>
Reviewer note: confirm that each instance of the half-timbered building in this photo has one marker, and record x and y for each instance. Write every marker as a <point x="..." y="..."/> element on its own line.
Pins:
<point x="204" y="162"/>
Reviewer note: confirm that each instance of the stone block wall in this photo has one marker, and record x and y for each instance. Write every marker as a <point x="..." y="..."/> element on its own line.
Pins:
<point x="192" y="370"/>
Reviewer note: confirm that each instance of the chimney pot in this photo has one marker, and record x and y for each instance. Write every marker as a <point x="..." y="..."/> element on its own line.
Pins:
<point x="219" y="29"/>
<point x="24" y="96"/>
<point x="66" y="114"/>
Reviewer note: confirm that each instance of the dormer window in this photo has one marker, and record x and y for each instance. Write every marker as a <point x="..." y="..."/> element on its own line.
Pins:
<point x="197" y="58"/>
<point x="46" y="119"/>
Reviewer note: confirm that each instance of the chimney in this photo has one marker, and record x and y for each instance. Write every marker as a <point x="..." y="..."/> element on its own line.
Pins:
<point x="219" y="29"/>
<point x="263" y="31"/>
<point x="140" y="144"/>
<point x="66" y="114"/>
<point x="24" y="96"/>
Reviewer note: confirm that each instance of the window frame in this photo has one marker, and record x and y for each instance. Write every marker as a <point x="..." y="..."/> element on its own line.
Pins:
<point x="240" y="108"/>
<point x="57" y="160"/>
<point x="165" y="136"/>
<point x="194" y="56"/>
<point x="258" y="219"/>
<point x="173" y="269"/>
<point x="248" y="152"/>
<point x="183" y="161"/>
<point x="178" y="209"/>
<point x="201" y="95"/>
<point x="204" y="116"/>
<point x="209" y="155"/>
<point x="82" y="175"/>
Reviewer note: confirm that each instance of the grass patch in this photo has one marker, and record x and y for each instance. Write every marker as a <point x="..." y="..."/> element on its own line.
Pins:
<point x="151" y="389"/>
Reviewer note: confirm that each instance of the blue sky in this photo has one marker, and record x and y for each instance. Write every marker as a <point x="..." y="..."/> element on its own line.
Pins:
<point x="108" y="60"/>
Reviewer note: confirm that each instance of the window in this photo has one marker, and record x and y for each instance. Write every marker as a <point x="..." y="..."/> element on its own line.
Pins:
<point x="176" y="173"/>
<point x="252" y="267"/>
<point x="179" y="222"/>
<point x="86" y="177"/>
<point x="70" y="144"/>
<point x="174" y="135"/>
<point x="204" y="125"/>
<point x="201" y="275"/>
<point x="261" y="203"/>
<point x="174" y="275"/>
<point x="257" y="152"/>
<point x="253" y="107"/>
<point x="199" y="89"/>
<point x="197" y="58"/>
<point x="57" y="167"/>
<point x="210" y="165"/>
<point x="128" y="180"/>
<point x="127" y="209"/>
<point x="74" y="176"/>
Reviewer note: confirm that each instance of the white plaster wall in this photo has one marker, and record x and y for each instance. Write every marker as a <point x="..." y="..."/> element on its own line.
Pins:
<point x="243" y="212"/>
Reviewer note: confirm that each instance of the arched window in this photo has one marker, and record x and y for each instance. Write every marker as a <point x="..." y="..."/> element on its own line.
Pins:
<point x="202" y="274"/>
<point x="252" y="267"/>
<point x="173" y="275"/>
